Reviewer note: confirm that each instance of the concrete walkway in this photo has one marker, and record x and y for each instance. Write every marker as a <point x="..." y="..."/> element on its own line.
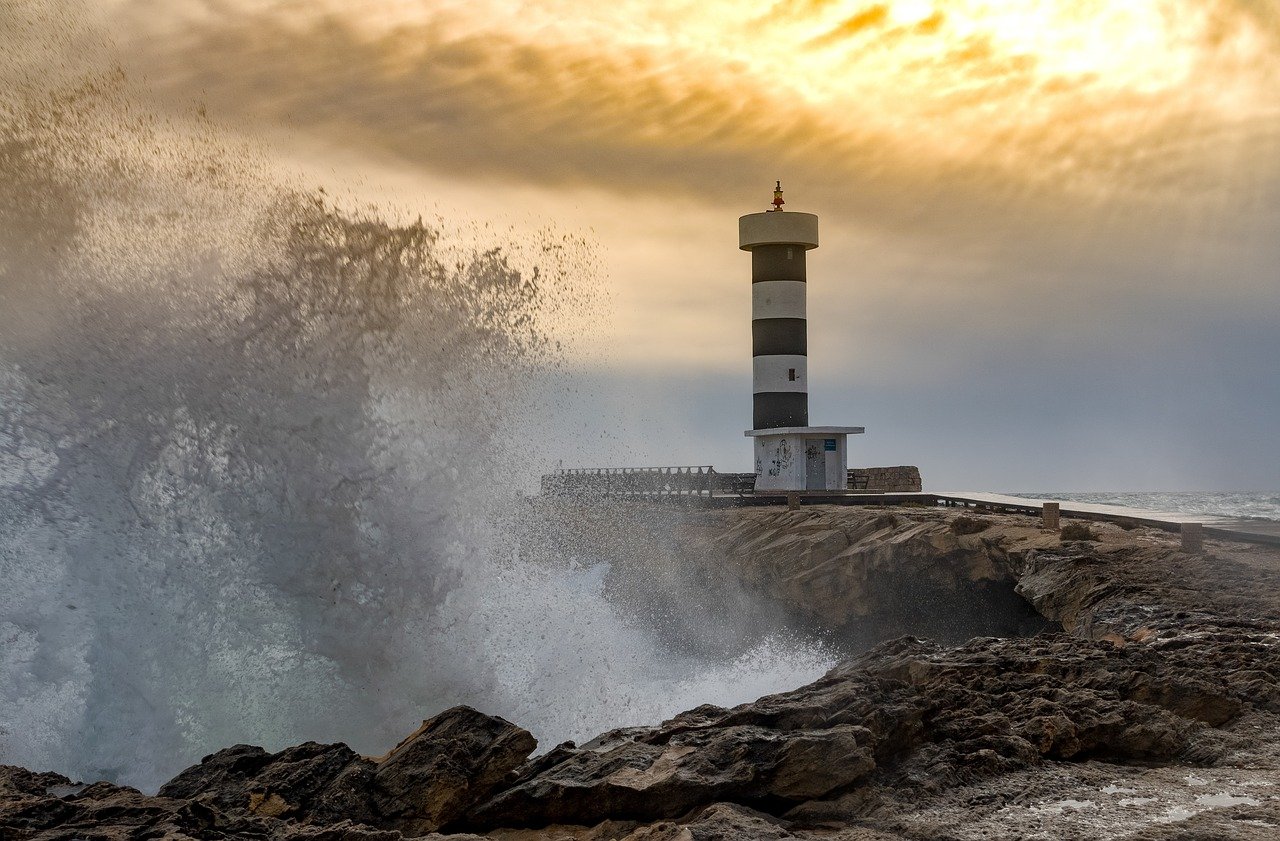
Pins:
<point x="1222" y="528"/>
<point x="1228" y="528"/>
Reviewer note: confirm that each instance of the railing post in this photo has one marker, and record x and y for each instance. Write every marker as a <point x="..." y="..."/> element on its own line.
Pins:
<point x="1193" y="538"/>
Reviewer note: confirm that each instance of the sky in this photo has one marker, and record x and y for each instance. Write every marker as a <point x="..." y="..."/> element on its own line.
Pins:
<point x="1050" y="229"/>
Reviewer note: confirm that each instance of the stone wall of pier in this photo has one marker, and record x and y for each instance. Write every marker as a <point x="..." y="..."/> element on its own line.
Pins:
<point x="904" y="479"/>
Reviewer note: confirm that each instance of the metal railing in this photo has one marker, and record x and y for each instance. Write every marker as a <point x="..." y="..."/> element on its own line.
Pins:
<point x="632" y="482"/>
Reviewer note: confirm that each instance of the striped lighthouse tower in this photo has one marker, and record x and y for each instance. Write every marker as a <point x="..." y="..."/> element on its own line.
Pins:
<point x="790" y="455"/>
<point x="778" y="241"/>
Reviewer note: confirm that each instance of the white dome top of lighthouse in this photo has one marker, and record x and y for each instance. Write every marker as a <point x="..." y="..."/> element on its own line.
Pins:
<point x="778" y="227"/>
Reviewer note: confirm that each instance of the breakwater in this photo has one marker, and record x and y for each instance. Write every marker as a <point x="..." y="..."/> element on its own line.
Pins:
<point x="903" y="479"/>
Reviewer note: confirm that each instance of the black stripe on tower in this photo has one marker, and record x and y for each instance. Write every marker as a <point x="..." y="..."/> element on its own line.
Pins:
<point x="770" y="336"/>
<point x="773" y="409"/>
<point x="777" y="262"/>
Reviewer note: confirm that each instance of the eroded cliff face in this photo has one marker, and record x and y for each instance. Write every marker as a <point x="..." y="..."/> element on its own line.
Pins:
<point x="859" y="575"/>
<point x="854" y="576"/>
<point x="1114" y="688"/>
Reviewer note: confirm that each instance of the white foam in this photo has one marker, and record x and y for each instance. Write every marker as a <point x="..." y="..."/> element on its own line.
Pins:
<point x="1115" y="789"/>
<point x="1223" y="799"/>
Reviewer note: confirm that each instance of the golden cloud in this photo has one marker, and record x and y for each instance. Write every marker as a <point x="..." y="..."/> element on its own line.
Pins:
<point x="1027" y="143"/>
<point x="886" y="100"/>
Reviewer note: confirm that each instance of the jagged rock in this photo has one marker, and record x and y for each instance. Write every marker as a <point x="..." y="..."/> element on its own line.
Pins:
<point x="452" y="762"/>
<point x="449" y="764"/>
<point x="220" y="777"/>
<point x="49" y="807"/>
<point x="604" y="831"/>
<point x="668" y="772"/>
<point x="734" y="822"/>
<point x="718" y="822"/>
<point x="930" y="716"/>
<point x="307" y="782"/>
<point x="340" y="831"/>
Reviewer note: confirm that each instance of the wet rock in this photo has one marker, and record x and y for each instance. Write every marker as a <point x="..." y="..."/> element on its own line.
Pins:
<point x="16" y="783"/>
<point x="718" y="822"/>
<point x="452" y="762"/>
<point x="666" y="773"/>
<point x="750" y="763"/>
<point x="339" y="831"/>
<point x="305" y="782"/>
<point x="449" y="764"/>
<point x="1253" y="822"/>
<point x="48" y="807"/>
<point x="909" y="712"/>
<point x="220" y="777"/>
<point x="734" y="822"/>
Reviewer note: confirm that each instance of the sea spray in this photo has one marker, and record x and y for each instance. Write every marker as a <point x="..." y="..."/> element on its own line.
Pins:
<point x="238" y="455"/>
<point x="257" y="467"/>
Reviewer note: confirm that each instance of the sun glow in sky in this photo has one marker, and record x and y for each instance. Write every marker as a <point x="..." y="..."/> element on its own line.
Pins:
<point x="1006" y="85"/>
<point x="908" y="52"/>
<point x="1001" y="83"/>
<point x="822" y="46"/>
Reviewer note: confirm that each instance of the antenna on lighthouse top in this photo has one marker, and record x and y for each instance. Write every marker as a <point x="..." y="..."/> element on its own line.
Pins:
<point x="777" y="197"/>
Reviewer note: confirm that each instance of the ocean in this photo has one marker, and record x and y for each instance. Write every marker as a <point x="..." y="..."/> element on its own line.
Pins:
<point x="1252" y="505"/>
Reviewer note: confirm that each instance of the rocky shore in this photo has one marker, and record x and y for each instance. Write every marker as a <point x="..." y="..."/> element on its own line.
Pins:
<point x="1102" y="687"/>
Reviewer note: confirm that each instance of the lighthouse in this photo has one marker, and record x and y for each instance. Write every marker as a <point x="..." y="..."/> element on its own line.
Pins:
<point x="790" y="455"/>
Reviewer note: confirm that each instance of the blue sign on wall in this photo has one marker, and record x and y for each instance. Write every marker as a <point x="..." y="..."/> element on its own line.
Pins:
<point x="829" y="445"/>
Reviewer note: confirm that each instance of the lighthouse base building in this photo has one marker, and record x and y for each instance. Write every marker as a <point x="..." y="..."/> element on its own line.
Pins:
<point x="802" y="458"/>
<point x="790" y="455"/>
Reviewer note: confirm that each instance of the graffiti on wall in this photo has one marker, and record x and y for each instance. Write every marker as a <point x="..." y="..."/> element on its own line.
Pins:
<point x="781" y="458"/>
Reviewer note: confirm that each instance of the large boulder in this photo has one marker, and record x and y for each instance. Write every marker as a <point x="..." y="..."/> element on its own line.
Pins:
<point x="430" y="779"/>
<point x="449" y="764"/>
<point x="49" y="807"/>
<point x="308" y="782"/>
<point x="665" y="774"/>
<point x="718" y="822"/>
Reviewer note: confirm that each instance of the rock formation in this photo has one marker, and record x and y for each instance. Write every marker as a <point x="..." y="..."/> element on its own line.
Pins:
<point x="1145" y="705"/>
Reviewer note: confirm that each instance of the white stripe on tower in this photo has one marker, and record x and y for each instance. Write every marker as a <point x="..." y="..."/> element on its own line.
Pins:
<point x="778" y="299"/>
<point x="780" y="373"/>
